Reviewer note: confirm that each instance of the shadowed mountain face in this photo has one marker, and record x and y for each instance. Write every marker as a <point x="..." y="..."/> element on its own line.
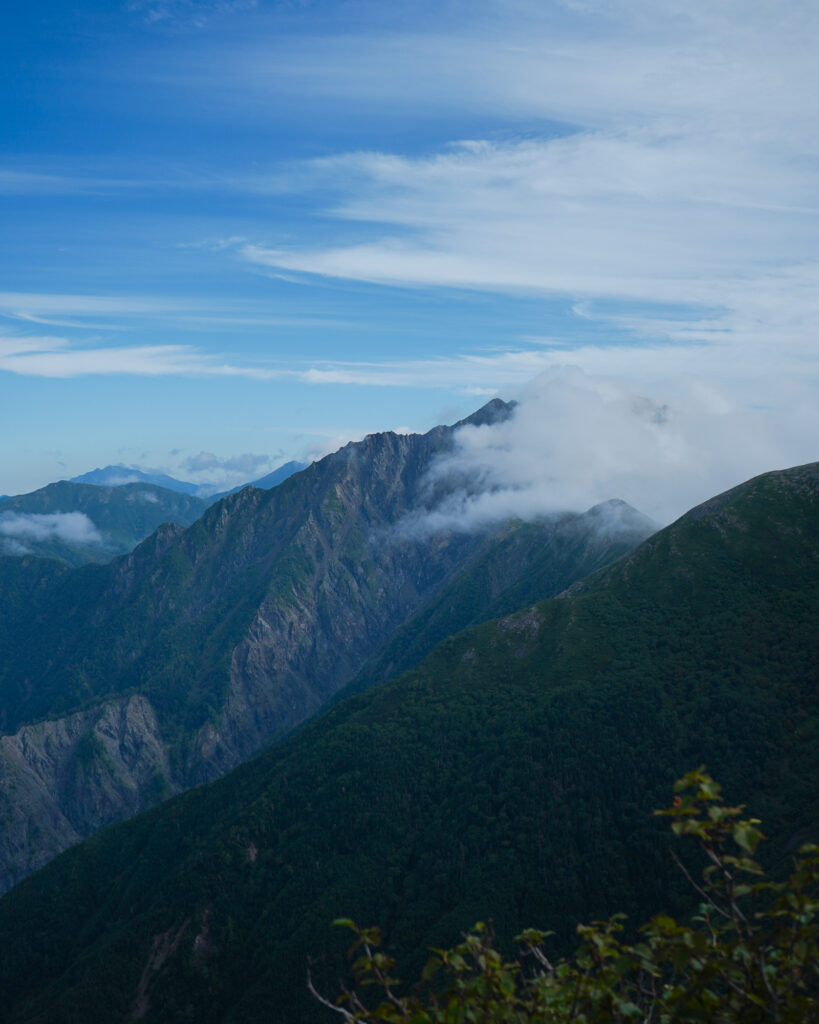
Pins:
<point x="78" y="523"/>
<point x="236" y="630"/>
<point x="510" y="776"/>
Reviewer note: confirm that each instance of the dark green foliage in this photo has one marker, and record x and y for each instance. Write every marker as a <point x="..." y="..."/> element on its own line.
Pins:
<point x="511" y="776"/>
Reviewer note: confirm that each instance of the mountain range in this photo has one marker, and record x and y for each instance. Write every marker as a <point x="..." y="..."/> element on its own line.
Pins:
<point x="116" y="476"/>
<point x="123" y="683"/>
<point x="509" y="775"/>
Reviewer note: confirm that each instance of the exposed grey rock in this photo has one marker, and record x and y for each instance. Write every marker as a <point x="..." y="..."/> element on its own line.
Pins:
<point x="61" y="780"/>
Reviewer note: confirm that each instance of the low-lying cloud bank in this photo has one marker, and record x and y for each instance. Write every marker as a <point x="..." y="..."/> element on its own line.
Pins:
<point x="71" y="527"/>
<point x="575" y="440"/>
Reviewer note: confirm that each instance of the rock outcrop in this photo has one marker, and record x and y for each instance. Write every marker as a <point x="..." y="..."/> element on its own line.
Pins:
<point x="61" y="780"/>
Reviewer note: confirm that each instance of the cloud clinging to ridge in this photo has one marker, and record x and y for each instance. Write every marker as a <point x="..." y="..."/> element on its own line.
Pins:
<point x="576" y="439"/>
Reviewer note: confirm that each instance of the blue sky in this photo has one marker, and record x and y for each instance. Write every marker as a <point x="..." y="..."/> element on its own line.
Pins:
<point x="262" y="229"/>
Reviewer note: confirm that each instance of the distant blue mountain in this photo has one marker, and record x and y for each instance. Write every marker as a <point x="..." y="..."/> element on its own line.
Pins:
<point x="114" y="476"/>
<point x="278" y="475"/>
<point x="266" y="482"/>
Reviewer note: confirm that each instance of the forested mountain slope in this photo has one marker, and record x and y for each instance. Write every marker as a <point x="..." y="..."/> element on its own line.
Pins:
<point x="123" y="683"/>
<point x="511" y="776"/>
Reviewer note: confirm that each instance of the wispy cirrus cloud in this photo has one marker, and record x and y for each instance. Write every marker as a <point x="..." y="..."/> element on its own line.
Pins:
<point x="788" y="393"/>
<point x="194" y="13"/>
<point x="675" y="165"/>
<point x="609" y="218"/>
<point x="592" y="64"/>
<point x="52" y="356"/>
<point x="47" y="303"/>
<point x="57" y="358"/>
<point x="28" y="182"/>
<point x="85" y="311"/>
<point x="76" y="181"/>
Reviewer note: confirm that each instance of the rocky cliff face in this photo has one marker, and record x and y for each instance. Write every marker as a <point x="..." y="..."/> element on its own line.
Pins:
<point x="337" y="592"/>
<point x="61" y="780"/>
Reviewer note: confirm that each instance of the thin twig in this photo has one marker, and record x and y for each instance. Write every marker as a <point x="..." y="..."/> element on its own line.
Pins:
<point x="699" y="888"/>
<point x="349" y="1017"/>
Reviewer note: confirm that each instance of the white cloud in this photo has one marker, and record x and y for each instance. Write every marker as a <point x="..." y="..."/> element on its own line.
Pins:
<point x="55" y="357"/>
<point x="592" y="64"/>
<point x="84" y="311"/>
<point x="72" y="527"/>
<point x="669" y="159"/>
<point x="38" y="303"/>
<point x="27" y="182"/>
<point x="576" y="439"/>
<point x="597" y="217"/>
<point x="679" y="165"/>
<point x="700" y="352"/>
